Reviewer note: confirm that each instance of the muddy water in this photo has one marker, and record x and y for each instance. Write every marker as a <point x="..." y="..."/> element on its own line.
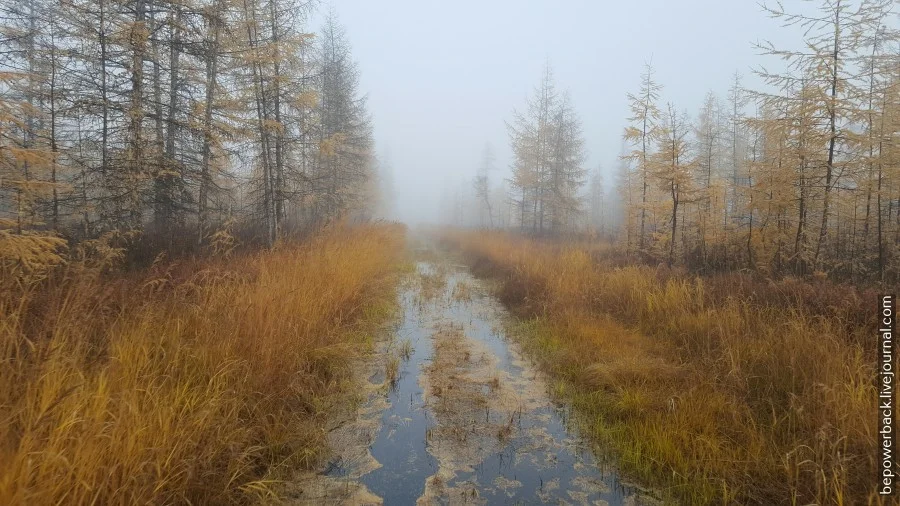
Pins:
<point x="400" y="446"/>
<point x="467" y="420"/>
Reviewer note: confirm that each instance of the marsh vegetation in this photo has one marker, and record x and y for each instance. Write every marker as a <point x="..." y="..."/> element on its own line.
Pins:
<point x="656" y="281"/>
<point x="713" y="388"/>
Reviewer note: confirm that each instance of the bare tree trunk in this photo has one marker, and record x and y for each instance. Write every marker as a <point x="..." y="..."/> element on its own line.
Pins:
<point x="800" y="240"/>
<point x="160" y="204"/>
<point x="643" y="183"/>
<point x="138" y="36"/>
<point x="54" y="151"/>
<point x="104" y="100"/>
<point x="174" y="74"/>
<point x="278" y="183"/>
<point x="262" y="119"/>
<point x="212" y="61"/>
<point x="674" y="192"/>
<point x="832" y="141"/>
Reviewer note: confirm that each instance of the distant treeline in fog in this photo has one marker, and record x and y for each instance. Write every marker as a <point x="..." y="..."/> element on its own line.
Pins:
<point x="801" y="177"/>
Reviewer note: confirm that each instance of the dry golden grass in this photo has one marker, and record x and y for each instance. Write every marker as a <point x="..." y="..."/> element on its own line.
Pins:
<point x="719" y="390"/>
<point x="392" y="371"/>
<point x="202" y="383"/>
<point x="462" y="292"/>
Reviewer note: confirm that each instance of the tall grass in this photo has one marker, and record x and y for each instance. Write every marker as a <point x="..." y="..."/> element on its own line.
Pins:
<point x="200" y="383"/>
<point x="716" y="390"/>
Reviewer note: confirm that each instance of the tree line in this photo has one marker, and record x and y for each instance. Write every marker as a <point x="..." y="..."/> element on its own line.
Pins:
<point x="175" y="119"/>
<point x="799" y="177"/>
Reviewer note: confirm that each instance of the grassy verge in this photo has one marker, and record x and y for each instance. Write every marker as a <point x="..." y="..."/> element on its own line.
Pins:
<point x="717" y="390"/>
<point x="194" y="383"/>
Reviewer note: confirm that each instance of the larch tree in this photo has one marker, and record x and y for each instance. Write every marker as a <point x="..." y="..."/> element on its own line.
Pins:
<point x="345" y="133"/>
<point x="710" y="135"/>
<point x="548" y="152"/>
<point x="805" y="184"/>
<point x="624" y="207"/>
<point x="482" y="186"/>
<point x="644" y="120"/>
<point x="155" y="121"/>
<point x="671" y="168"/>
<point x="598" y="202"/>
<point x="824" y="68"/>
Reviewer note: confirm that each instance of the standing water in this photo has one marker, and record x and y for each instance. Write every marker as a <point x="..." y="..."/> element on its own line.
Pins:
<point x="460" y="417"/>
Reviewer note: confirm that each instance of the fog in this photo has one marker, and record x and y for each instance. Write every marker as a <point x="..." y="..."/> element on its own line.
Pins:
<point x="443" y="77"/>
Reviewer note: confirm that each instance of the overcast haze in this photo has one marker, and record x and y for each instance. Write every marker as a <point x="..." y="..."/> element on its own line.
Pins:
<point x="442" y="77"/>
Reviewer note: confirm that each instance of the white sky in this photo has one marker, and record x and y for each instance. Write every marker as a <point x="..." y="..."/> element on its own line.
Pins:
<point x="443" y="76"/>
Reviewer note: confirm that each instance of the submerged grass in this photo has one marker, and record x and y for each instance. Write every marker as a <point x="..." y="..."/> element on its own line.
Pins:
<point x="392" y="370"/>
<point x="716" y="390"/>
<point x="406" y="349"/>
<point x="208" y="383"/>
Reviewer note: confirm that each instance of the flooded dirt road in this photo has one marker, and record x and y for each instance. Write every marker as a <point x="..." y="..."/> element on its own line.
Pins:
<point x="453" y="414"/>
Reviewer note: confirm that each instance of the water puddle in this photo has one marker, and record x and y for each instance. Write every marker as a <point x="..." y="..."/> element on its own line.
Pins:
<point x="465" y="420"/>
<point x="400" y="445"/>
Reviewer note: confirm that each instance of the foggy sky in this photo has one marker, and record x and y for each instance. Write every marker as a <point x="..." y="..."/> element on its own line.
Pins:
<point x="443" y="76"/>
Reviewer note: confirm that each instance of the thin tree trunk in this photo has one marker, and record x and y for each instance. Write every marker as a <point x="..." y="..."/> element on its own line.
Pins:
<point x="212" y="61"/>
<point x="832" y="141"/>
<point x="279" y="181"/>
<point x="262" y="119"/>
<point x="136" y="113"/>
<point x="54" y="151"/>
